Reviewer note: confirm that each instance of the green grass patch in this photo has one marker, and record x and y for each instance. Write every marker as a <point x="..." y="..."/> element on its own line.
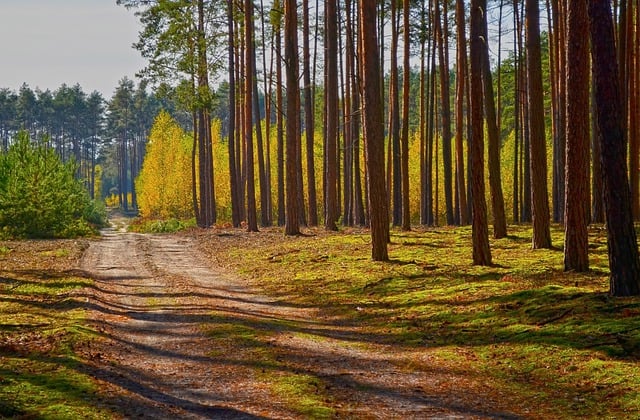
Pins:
<point x="537" y="333"/>
<point x="41" y="323"/>
<point x="57" y="253"/>
<point x="249" y="341"/>
<point x="161" y="226"/>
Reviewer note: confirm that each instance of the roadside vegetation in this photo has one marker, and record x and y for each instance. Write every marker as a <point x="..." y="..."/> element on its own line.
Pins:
<point x="42" y="322"/>
<point x="553" y="342"/>
<point x="548" y="343"/>
<point x="40" y="196"/>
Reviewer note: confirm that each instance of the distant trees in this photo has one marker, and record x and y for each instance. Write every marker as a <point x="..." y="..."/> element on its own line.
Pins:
<point x="176" y="39"/>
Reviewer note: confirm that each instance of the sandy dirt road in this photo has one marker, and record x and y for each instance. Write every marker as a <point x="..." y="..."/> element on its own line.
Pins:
<point x="155" y="302"/>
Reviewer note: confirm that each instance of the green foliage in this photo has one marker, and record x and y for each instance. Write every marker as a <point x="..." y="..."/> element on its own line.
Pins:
<point x="162" y="226"/>
<point x="40" y="197"/>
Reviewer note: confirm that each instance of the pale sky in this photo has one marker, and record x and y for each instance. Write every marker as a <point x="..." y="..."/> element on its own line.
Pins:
<point x="46" y="43"/>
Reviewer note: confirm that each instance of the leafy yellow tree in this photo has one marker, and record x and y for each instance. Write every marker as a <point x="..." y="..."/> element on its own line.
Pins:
<point x="164" y="184"/>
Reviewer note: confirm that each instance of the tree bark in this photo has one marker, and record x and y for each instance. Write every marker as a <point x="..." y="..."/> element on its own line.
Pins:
<point x="292" y="220"/>
<point x="374" y="131"/>
<point x="624" y="262"/>
<point x="394" y="167"/>
<point x="461" y="76"/>
<point x="442" y="36"/>
<point x="495" y="181"/>
<point x="404" y="163"/>
<point x="480" y="229"/>
<point x="332" y="104"/>
<point x="537" y="142"/>
<point x="252" y="219"/>
<point x="576" y="215"/>
<point x="309" y="118"/>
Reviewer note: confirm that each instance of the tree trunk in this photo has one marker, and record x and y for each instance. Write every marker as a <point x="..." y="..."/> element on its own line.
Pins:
<point x="332" y="104"/>
<point x="233" y="174"/>
<point x="252" y="219"/>
<point x="480" y="229"/>
<point x="265" y="191"/>
<point x="633" y="48"/>
<point x="404" y="155"/>
<point x="205" y="147"/>
<point x="309" y="125"/>
<point x="559" y="99"/>
<point x="442" y="36"/>
<point x="395" y="174"/>
<point x="537" y="142"/>
<point x="373" y="131"/>
<point x="292" y="220"/>
<point x="624" y="262"/>
<point x="495" y="181"/>
<point x="461" y="76"/>
<point x="576" y="215"/>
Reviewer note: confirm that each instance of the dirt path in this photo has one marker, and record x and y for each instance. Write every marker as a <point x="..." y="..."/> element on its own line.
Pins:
<point x="164" y="314"/>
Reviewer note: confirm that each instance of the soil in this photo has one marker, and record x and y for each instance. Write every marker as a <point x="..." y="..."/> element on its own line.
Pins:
<point x="153" y="297"/>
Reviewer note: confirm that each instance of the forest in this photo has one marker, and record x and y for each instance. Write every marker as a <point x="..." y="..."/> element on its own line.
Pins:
<point x="457" y="180"/>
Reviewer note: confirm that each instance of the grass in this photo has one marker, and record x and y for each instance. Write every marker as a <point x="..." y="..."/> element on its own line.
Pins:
<point x="536" y="333"/>
<point x="302" y="393"/>
<point x="142" y="225"/>
<point x="40" y="324"/>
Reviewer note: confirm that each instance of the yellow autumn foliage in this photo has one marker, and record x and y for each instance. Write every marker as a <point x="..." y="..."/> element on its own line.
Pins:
<point x="164" y="184"/>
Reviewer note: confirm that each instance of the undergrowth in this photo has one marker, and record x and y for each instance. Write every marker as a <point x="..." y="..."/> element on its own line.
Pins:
<point x="161" y="226"/>
<point x="555" y="342"/>
<point x="41" y="322"/>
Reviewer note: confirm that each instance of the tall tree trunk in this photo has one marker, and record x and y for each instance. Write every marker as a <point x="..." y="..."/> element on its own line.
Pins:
<point x="624" y="262"/>
<point x="309" y="118"/>
<point x="292" y="220"/>
<point x="373" y="132"/>
<point x="537" y="142"/>
<point x="280" y="126"/>
<point x="559" y="99"/>
<point x="442" y="36"/>
<point x="394" y="167"/>
<point x="495" y="181"/>
<point x="480" y="229"/>
<point x="404" y="155"/>
<point x="432" y="218"/>
<point x="252" y="219"/>
<point x="633" y="52"/>
<point x="576" y="216"/>
<point x="265" y="191"/>
<point x="461" y="75"/>
<point x="205" y="149"/>
<point x="332" y="104"/>
<point x="597" y="203"/>
<point x="241" y="152"/>
<point x="516" y="123"/>
<point x="233" y="173"/>
<point x="268" y="87"/>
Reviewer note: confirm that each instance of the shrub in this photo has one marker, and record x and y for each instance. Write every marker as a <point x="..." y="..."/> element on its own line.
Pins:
<point x="40" y="196"/>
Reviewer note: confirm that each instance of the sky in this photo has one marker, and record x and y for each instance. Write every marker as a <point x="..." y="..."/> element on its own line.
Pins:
<point x="46" y="43"/>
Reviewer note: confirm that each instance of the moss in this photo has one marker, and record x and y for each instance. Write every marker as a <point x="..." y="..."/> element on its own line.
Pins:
<point x="533" y="331"/>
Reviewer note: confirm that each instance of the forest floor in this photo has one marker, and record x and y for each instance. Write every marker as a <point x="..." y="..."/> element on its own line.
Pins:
<point x="222" y="323"/>
<point x="185" y="339"/>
